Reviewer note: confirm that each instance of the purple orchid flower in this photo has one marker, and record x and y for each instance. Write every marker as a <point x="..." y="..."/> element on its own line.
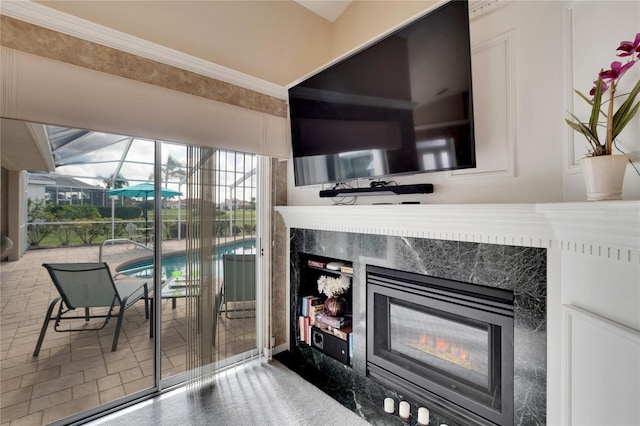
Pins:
<point x="616" y="71"/>
<point x="628" y="48"/>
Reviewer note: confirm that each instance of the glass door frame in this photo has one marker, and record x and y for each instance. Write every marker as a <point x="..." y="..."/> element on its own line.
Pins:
<point x="263" y="290"/>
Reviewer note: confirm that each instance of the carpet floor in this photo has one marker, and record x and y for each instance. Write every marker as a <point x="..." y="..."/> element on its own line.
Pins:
<point x="258" y="393"/>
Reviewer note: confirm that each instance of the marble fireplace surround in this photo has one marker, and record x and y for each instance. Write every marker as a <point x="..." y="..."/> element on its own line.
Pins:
<point x="541" y="230"/>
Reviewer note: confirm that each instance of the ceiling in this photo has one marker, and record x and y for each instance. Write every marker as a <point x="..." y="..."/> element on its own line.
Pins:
<point x="328" y="9"/>
<point x="277" y="41"/>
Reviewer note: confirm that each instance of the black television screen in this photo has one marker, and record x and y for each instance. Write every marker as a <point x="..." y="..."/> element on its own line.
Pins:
<point x="402" y="105"/>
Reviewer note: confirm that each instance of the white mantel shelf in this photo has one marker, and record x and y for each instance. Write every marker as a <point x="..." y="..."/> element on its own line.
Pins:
<point x="603" y="229"/>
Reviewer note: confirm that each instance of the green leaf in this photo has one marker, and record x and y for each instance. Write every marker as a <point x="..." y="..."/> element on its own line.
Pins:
<point x="619" y="125"/>
<point x="580" y="127"/>
<point x="584" y="130"/>
<point x="595" y="107"/>
<point x="626" y="111"/>
<point x="583" y="96"/>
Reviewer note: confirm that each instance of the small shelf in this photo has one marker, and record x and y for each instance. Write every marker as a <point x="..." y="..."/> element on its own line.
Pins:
<point x="331" y="271"/>
<point x="322" y="334"/>
<point x="320" y="263"/>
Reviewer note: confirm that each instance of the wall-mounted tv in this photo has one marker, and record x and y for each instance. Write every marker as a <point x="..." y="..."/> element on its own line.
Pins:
<point x="403" y="105"/>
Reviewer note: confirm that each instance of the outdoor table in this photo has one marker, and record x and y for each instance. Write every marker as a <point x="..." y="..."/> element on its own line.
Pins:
<point x="174" y="288"/>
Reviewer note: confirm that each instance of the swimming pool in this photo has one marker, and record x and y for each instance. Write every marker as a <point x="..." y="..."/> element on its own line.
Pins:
<point x="176" y="263"/>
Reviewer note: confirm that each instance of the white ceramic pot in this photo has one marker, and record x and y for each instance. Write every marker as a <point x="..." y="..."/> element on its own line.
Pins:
<point x="604" y="176"/>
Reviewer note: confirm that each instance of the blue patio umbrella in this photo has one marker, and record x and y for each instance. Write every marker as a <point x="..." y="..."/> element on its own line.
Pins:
<point x="145" y="190"/>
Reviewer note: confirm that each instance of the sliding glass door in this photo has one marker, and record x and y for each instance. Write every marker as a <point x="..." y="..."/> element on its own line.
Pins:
<point x="215" y="291"/>
<point x="194" y="234"/>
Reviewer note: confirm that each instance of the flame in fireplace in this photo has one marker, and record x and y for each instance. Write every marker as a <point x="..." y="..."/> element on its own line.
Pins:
<point x="446" y="350"/>
<point x="442" y="345"/>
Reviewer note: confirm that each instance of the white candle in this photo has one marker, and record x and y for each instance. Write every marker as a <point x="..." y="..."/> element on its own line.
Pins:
<point x="403" y="410"/>
<point x="423" y="416"/>
<point x="389" y="405"/>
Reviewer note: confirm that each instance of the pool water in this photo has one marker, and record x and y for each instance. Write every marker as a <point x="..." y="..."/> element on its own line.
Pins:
<point x="176" y="264"/>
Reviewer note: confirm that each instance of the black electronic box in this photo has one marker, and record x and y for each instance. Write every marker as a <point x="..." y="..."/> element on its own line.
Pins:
<point x="330" y="345"/>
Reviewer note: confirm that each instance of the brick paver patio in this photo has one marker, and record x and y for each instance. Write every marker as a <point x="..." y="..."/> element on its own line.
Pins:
<point x="77" y="371"/>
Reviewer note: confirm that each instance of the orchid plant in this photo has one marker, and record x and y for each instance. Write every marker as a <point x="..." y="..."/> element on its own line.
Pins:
<point x="607" y="84"/>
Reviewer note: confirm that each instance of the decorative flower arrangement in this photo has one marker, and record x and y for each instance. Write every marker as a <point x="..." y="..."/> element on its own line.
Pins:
<point x="614" y="121"/>
<point x="331" y="286"/>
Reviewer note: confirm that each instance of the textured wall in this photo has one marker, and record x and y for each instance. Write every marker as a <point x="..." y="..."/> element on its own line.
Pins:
<point x="279" y="254"/>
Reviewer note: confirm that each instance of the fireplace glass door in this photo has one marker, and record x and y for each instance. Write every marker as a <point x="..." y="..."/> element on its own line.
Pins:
<point x="447" y="346"/>
<point x="455" y="347"/>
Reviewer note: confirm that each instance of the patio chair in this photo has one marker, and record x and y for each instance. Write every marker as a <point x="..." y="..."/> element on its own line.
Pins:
<point x="90" y="285"/>
<point x="239" y="284"/>
<point x="133" y="233"/>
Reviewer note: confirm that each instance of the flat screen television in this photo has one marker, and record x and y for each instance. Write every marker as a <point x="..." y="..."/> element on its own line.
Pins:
<point x="402" y="105"/>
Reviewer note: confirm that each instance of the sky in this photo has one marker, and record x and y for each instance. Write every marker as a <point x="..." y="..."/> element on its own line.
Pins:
<point x="138" y="165"/>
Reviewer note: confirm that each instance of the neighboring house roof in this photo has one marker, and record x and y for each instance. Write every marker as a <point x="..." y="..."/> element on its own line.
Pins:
<point x="61" y="181"/>
<point x="40" y="179"/>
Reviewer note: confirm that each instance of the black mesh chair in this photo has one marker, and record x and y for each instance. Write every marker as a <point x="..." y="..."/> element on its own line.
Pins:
<point x="90" y="285"/>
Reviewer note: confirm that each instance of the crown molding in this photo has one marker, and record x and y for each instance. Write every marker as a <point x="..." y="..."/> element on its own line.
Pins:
<point x="52" y="19"/>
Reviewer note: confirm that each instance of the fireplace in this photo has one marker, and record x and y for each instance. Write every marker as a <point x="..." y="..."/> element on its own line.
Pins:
<point x="520" y="271"/>
<point x="444" y="343"/>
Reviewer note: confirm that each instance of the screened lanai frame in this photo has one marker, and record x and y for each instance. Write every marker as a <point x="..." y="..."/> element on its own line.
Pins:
<point x="111" y="160"/>
<point x="79" y="153"/>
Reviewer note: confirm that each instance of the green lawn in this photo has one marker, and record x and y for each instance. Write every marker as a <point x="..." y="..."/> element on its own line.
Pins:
<point x="172" y="214"/>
